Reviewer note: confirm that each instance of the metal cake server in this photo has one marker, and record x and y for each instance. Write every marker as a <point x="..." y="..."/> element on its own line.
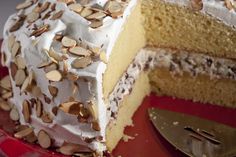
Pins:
<point x="195" y="136"/>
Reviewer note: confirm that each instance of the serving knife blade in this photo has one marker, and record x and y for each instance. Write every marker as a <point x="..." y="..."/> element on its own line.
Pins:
<point x="194" y="136"/>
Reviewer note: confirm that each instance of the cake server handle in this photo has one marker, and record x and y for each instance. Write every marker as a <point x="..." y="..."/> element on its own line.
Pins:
<point x="194" y="136"/>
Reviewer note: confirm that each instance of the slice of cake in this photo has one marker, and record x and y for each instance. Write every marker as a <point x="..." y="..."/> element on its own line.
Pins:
<point x="79" y="70"/>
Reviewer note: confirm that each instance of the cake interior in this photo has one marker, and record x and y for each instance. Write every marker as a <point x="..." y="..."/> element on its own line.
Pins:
<point x="165" y="26"/>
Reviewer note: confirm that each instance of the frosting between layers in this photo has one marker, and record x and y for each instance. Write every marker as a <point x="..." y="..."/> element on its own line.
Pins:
<point x="177" y="62"/>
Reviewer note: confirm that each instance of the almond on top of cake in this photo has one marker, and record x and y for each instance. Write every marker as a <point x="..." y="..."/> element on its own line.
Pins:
<point x="78" y="70"/>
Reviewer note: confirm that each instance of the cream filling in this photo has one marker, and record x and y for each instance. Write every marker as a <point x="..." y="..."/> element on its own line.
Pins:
<point x="177" y="62"/>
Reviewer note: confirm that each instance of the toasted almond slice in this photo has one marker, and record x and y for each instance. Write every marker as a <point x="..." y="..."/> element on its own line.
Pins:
<point x="86" y="12"/>
<point x="72" y="107"/>
<point x="4" y="105"/>
<point x="72" y="76"/>
<point x="54" y="76"/>
<point x="44" y="64"/>
<point x="44" y="7"/>
<point x="26" y="111"/>
<point x="57" y="15"/>
<point x="17" y="25"/>
<point x="24" y="5"/>
<point x="19" y="128"/>
<point x="81" y="62"/>
<point x="32" y="17"/>
<point x="6" y="82"/>
<point x="31" y="77"/>
<point x="117" y="14"/>
<point x="53" y="6"/>
<point x="70" y="149"/>
<point x="83" y="112"/>
<point x="23" y="133"/>
<point x="75" y="7"/>
<point x="197" y="5"/>
<point x="68" y="42"/>
<point x="44" y="139"/>
<point x="40" y="30"/>
<point x="103" y="57"/>
<point x="20" y="77"/>
<point x="52" y="53"/>
<point x="7" y="95"/>
<point x="58" y="37"/>
<point x="25" y="85"/>
<point x="16" y="48"/>
<point x="79" y="51"/>
<point x="53" y="90"/>
<point x="92" y="108"/>
<point x="114" y="7"/>
<point x="46" y="118"/>
<point x="95" y="24"/>
<point x="55" y="110"/>
<point x="96" y="16"/>
<point x="13" y="69"/>
<point x="14" y="114"/>
<point x="31" y="138"/>
<point x="36" y="91"/>
<point x="11" y="41"/>
<point x="39" y="108"/>
<point x="51" y="67"/>
<point x="47" y="99"/>
<point x="95" y="126"/>
<point x="229" y="4"/>
<point x="65" y="68"/>
<point x="20" y="62"/>
<point x="68" y="2"/>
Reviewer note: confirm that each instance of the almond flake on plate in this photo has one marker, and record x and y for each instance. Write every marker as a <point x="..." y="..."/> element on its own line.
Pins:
<point x="24" y="5"/>
<point x="51" y="67"/>
<point x="5" y="83"/>
<point x="72" y="107"/>
<point x="26" y="111"/>
<point x="32" y="17"/>
<point x="14" y="114"/>
<point x="52" y="53"/>
<point x="72" y="76"/>
<point x="95" y="24"/>
<point x="16" y="48"/>
<point x="13" y="69"/>
<point x="81" y="62"/>
<point x="36" y="91"/>
<point x="53" y="90"/>
<point x="57" y="15"/>
<point x="46" y="117"/>
<point x="75" y="7"/>
<point x="11" y="41"/>
<point x="17" y="25"/>
<point x="44" y="7"/>
<point x="54" y="76"/>
<point x="44" y="64"/>
<point x="79" y="51"/>
<point x="68" y="42"/>
<point x="40" y="30"/>
<point x="25" y="85"/>
<point x="23" y="133"/>
<point x="92" y="108"/>
<point x="20" y="62"/>
<point x="20" y="77"/>
<point x="68" y="2"/>
<point x="114" y="7"/>
<point x="96" y="16"/>
<point x="39" y="108"/>
<point x="44" y="139"/>
<point x="86" y="12"/>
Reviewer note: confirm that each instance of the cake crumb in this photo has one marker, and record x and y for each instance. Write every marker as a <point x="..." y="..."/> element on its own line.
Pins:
<point x="126" y="138"/>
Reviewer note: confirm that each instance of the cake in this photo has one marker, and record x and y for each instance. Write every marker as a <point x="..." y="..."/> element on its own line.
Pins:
<point x="79" y="70"/>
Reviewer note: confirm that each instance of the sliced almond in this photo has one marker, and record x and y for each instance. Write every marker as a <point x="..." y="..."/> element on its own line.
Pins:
<point x="13" y="69"/>
<point x="68" y="42"/>
<point x="52" y="53"/>
<point x="229" y="4"/>
<point x="83" y="113"/>
<point x="4" y="105"/>
<point x="7" y="95"/>
<point x="92" y="108"/>
<point x="114" y="7"/>
<point x="75" y="7"/>
<point x="197" y="5"/>
<point x="44" y="139"/>
<point x="14" y="114"/>
<point x="95" y="126"/>
<point x="25" y="85"/>
<point x="71" y="149"/>
<point x="71" y="107"/>
<point x="26" y="111"/>
<point x="57" y="15"/>
<point x="51" y="67"/>
<point x="17" y="25"/>
<point x="44" y="7"/>
<point x="53" y="90"/>
<point x="46" y="118"/>
<point x="32" y="17"/>
<point x="31" y="138"/>
<point x="44" y="64"/>
<point x="55" y="110"/>
<point x="36" y="91"/>
<point x="24" y="5"/>
<point x="95" y="24"/>
<point x="96" y="16"/>
<point x="81" y="62"/>
<point x="79" y="51"/>
<point x="23" y="133"/>
<point x="47" y="99"/>
<point x="72" y="76"/>
<point x="39" y="108"/>
<point x="54" y="76"/>
<point x="86" y="12"/>
<point x="11" y="41"/>
<point x="31" y="77"/>
<point x="6" y="82"/>
<point x="58" y="37"/>
<point x="68" y="2"/>
<point x="103" y="57"/>
<point x="20" y="77"/>
<point x="40" y="30"/>
<point x="16" y="48"/>
<point x="65" y="68"/>
<point x="20" y="62"/>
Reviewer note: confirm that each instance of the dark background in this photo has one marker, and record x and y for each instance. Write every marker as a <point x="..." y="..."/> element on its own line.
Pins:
<point x="7" y="8"/>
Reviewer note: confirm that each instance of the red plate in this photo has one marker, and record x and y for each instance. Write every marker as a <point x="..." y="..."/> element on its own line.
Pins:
<point x="147" y="143"/>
